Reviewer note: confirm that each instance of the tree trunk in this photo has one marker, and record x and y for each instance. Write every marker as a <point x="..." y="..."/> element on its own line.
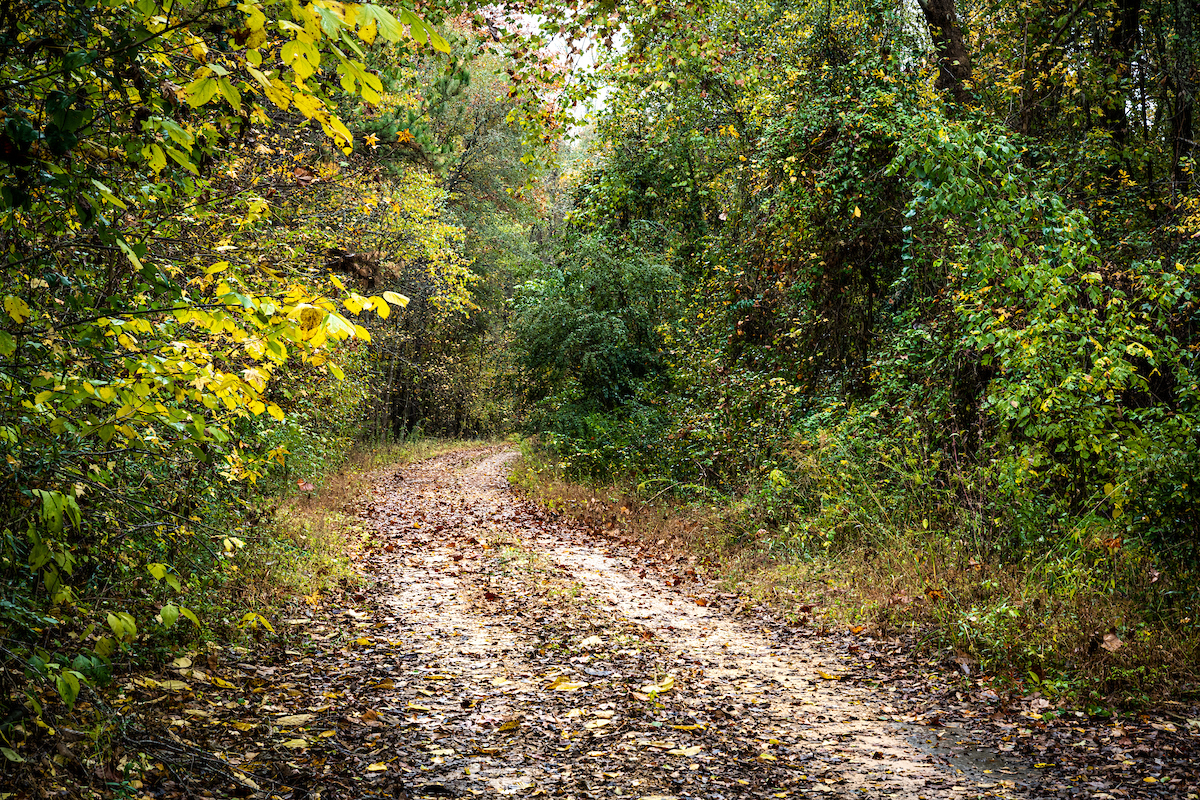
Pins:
<point x="953" y="60"/>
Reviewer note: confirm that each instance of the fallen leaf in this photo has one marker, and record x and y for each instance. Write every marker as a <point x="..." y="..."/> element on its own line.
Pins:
<point x="378" y="766"/>
<point x="662" y="687"/>
<point x="293" y="720"/>
<point x="827" y="676"/>
<point x="295" y="744"/>
<point x="685" y="751"/>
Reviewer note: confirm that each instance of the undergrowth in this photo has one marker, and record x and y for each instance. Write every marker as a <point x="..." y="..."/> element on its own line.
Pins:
<point x="308" y="540"/>
<point x="1086" y="618"/>
<point x="273" y="554"/>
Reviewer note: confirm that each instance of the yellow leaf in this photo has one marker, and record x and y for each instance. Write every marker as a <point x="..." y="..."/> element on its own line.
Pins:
<point x="381" y="307"/>
<point x="767" y="757"/>
<point x="827" y="676"/>
<point x="295" y="744"/>
<point x="510" y="725"/>
<point x="222" y="683"/>
<point x="418" y="707"/>
<point x="857" y="213"/>
<point x="395" y="299"/>
<point x="378" y="766"/>
<point x="662" y="687"/>
<point x="18" y="309"/>
<point x="367" y="32"/>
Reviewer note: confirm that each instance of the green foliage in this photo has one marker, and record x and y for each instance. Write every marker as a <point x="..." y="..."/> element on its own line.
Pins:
<point x="140" y="339"/>
<point x="896" y="312"/>
<point x="588" y="332"/>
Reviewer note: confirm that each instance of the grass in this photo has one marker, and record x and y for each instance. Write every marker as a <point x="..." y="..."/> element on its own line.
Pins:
<point x="1076" y="618"/>
<point x="307" y="541"/>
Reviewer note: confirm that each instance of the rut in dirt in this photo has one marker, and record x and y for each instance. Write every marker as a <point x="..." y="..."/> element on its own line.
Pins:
<point x="552" y="664"/>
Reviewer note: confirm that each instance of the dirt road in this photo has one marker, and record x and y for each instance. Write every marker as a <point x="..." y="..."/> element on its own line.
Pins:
<point x="551" y="663"/>
<point x="505" y="650"/>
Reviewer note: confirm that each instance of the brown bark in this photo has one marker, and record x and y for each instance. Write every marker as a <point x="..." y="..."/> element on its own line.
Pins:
<point x="953" y="60"/>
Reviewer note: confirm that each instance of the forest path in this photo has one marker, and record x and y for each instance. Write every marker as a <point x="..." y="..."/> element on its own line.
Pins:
<point x="497" y="649"/>
<point x="541" y="647"/>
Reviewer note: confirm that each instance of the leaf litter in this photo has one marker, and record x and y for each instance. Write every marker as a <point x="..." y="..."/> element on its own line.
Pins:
<point x="504" y="650"/>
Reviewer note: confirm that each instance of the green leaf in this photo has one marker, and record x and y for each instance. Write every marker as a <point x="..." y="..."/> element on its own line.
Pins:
<point x="12" y="755"/>
<point x="107" y="194"/>
<point x="388" y="26"/>
<point x="122" y="625"/>
<point x="200" y="91"/>
<point x="187" y="612"/>
<point x="231" y="94"/>
<point x="68" y="687"/>
<point x="128" y="251"/>
<point x="169" y="614"/>
<point x="177" y="133"/>
<point x="182" y="159"/>
<point x="415" y="26"/>
<point x="155" y="157"/>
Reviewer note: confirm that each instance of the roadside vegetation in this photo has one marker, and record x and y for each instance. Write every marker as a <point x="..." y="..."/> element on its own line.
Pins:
<point x="900" y="306"/>
<point x="891" y="312"/>
<point x="251" y="252"/>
